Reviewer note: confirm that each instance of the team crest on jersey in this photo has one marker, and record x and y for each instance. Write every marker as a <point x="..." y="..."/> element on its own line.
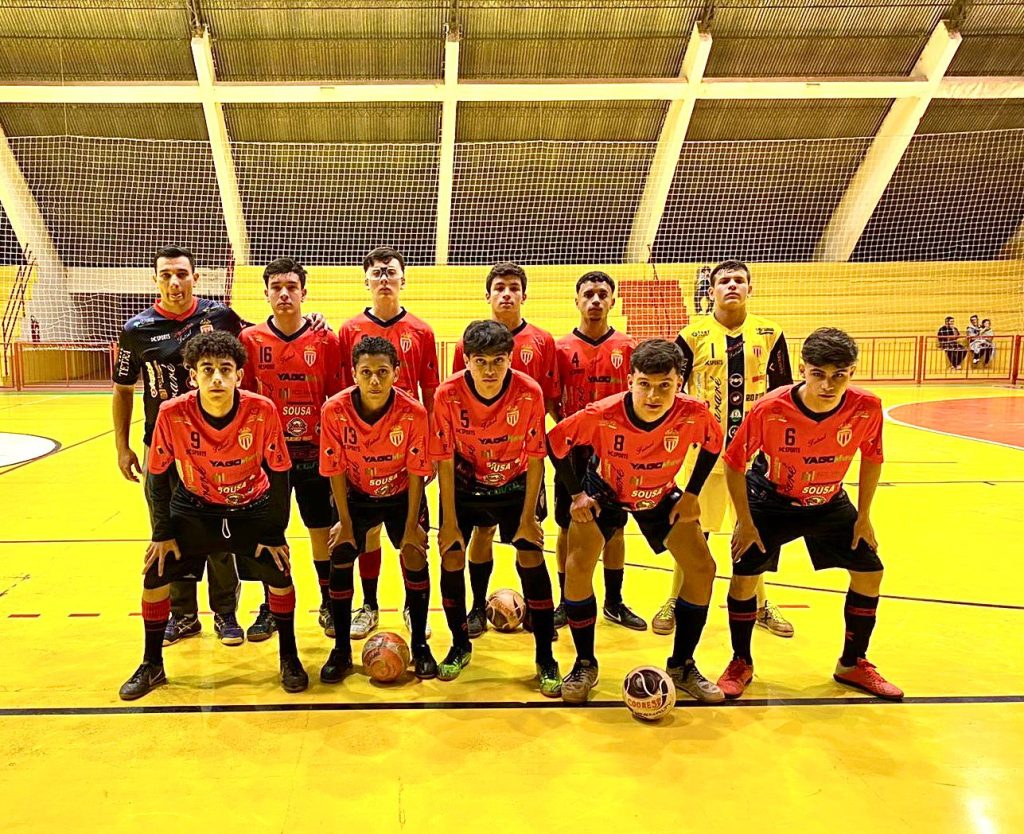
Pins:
<point x="616" y="359"/>
<point x="245" y="438"/>
<point x="206" y="326"/>
<point x="309" y="354"/>
<point x="670" y="441"/>
<point x="406" y="342"/>
<point x="397" y="436"/>
<point x="512" y="416"/>
<point x="844" y="435"/>
<point x="526" y="354"/>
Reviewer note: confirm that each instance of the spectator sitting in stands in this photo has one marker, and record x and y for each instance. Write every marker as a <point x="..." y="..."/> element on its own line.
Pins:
<point x="948" y="340"/>
<point x="982" y="345"/>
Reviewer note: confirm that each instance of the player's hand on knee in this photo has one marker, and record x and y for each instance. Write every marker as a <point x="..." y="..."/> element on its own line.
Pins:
<point x="744" y="536"/>
<point x="531" y="531"/>
<point x="449" y="537"/>
<point x="584" y="509"/>
<point x="415" y="538"/>
<point x="279" y="553"/>
<point x="863" y="531"/>
<point x="157" y="554"/>
<point x="686" y="509"/>
<point x="128" y="463"/>
<point x="341" y="534"/>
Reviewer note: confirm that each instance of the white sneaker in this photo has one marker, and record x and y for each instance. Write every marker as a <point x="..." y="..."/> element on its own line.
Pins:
<point x="408" y="624"/>
<point x="364" y="621"/>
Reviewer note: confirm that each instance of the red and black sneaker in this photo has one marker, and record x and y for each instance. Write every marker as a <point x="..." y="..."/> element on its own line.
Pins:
<point x="736" y="677"/>
<point x="865" y="676"/>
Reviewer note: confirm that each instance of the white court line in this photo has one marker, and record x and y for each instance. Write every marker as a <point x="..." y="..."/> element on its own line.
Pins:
<point x="891" y="419"/>
<point x="48" y="399"/>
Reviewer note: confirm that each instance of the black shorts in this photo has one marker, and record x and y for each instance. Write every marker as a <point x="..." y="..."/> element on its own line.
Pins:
<point x="826" y="529"/>
<point x="501" y="508"/>
<point x="579" y="458"/>
<point x="313" y="495"/>
<point x="653" y="523"/>
<point x="368" y="512"/>
<point x="201" y="532"/>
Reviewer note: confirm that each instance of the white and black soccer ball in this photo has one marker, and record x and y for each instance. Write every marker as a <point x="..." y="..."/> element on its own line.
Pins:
<point x="649" y="693"/>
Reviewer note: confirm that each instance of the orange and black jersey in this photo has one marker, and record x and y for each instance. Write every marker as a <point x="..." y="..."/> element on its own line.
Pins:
<point x="494" y="438"/>
<point x="532" y="354"/>
<point x="412" y="337"/>
<point x="298" y="373"/>
<point x="591" y="369"/>
<point x="804" y="455"/>
<point x="150" y="343"/>
<point x="376" y="456"/>
<point x="637" y="460"/>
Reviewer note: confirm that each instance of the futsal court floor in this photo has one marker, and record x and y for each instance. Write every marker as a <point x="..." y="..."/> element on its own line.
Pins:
<point x="222" y="748"/>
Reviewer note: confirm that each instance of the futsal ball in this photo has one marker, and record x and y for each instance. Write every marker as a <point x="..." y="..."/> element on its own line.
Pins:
<point x="649" y="693"/>
<point x="386" y="656"/>
<point x="505" y="609"/>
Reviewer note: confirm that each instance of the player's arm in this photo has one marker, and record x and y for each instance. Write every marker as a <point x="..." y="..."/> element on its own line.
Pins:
<point x="428" y="398"/>
<point x="343" y="532"/>
<point x="687" y="508"/>
<point x="249" y="382"/>
<point x="573" y="431"/>
<point x="158" y="480"/>
<point x="414" y="537"/>
<point x="277" y="464"/>
<point x="870" y="472"/>
<point x="126" y="374"/>
<point x="746" y="442"/>
<point x="429" y="374"/>
<point x="687" y="351"/>
<point x="448" y="537"/>
<point x="529" y="527"/>
<point x="779" y="370"/>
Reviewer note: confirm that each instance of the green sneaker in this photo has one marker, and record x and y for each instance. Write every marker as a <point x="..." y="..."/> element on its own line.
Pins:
<point x="550" y="679"/>
<point x="454" y="662"/>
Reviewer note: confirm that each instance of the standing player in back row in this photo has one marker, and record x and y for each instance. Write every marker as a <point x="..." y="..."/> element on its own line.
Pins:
<point x="730" y="360"/>
<point x="533" y="354"/>
<point x="593" y="363"/>
<point x="298" y="368"/>
<point x="803" y="438"/>
<point x="413" y="338"/>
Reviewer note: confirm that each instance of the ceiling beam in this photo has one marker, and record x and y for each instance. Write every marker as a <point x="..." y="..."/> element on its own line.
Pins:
<point x="876" y="170"/>
<point x="670" y="144"/>
<point x="220" y="146"/>
<point x="446" y="158"/>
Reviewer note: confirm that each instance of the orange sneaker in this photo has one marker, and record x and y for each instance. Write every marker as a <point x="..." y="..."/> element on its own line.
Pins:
<point x="865" y="676"/>
<point x="736" y="677"/>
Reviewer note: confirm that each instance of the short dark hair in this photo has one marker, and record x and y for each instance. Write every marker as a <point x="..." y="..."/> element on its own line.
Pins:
<point x="503" y="269"/>
<point x="829" y="346"/>
<point x="986" y="320"/>
<point x="172" y="252"/>
<point x="487" y="338"/>
<point x="656" y="356"/>
<point x="731" y="265"/>
<point x="974" y="316"/>
<point x="949" y="318"/>
<point x="282" y="266"/>
<point x="383" y="254"/>
<point x="374" y="346"/>
<point x="215" y="345"/>
<point x="595" y="277"/>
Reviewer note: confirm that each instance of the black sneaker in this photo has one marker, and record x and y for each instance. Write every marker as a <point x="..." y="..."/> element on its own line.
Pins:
<point x="293" y="676"/>
<point x="146" y="678"/>
<point x="263" y="626"/>
<point x="179" y="628"/>
<point x="326" y="620"/>
<point x="622" y="615"/>
<point x="337" y="666"/>
<point x="561" y="619"/>
<point x="423" y="661"/>
<point x="455" y="661"/>
<point x="226" y="627"/>
<point x="476" y="622"/>
<point x="528" y="626"/>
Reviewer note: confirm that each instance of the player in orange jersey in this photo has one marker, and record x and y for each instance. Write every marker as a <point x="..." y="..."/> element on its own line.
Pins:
<point x="414" y="341"/>
<point x="488" y="439"/>
<point x="533" y="354"/>
<point x="639" y="440"/>
<point x="218" y="473"/>
<point x="298" y="368"/>
<point x="804" y="437"/>
<point x="593" y="363"/>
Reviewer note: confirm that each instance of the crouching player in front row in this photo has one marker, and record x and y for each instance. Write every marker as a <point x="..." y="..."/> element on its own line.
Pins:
<point x="804" y="437"/>
<point x="374" y="450"/>
<point x="227" y="448"/>
<point x="639" y="440"/>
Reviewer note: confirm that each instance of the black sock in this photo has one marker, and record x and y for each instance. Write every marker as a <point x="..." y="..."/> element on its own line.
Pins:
<point x="282" y="606"/>
<point x="582" y="617"/>
<point x="323" y="575"/>
<point x="417" y="597"/>
<point x="561" y="585"/>
<point x="340" y="591"/>
<point x="613" y="587"/>
<point x="266" y="595"/>
<point x="690" y="621"/>
<point x="453" y="599"/>
<point x="154" y="619"/>
<point x="537" y="590"/>
<point x="479" y="577"/>
<point x="860" y="621"/>
<point x="370" y="592"/>
<point x="742" y="613"/>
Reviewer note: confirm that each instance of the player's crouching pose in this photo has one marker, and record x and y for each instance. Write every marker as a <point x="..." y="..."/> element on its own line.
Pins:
<point x="639" y="440"/>
<point x="805" y="437"/>
<point x="374" y="449"/>
<point x="227" y="448"/>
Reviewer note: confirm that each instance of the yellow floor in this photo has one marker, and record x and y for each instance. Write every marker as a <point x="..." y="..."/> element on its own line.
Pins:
<point x="223" y="749"/>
